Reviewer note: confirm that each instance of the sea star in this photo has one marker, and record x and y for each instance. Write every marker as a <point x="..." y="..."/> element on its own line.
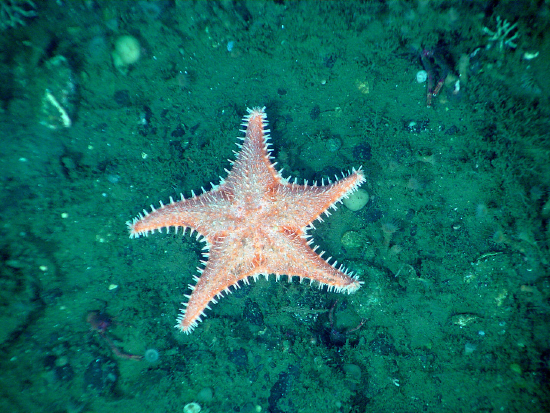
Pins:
<point x="254" y="223"/>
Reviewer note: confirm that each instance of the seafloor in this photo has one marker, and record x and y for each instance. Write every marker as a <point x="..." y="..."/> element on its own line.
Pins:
<point x="453" y="245"/>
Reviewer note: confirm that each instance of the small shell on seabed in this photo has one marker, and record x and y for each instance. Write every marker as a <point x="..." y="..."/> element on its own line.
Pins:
<point x="192" y="408"/>
<point x="464" y="319"/>
<point x="421" y="76"/>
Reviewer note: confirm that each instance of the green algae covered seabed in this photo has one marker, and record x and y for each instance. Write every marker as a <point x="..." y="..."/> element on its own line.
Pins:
<point x="452" y="246"/>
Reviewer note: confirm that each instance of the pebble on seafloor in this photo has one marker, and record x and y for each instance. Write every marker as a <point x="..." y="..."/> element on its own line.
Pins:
<point x="126" y="52"/>
<point x="356" y="200"/>
<point x="352" y="240"/>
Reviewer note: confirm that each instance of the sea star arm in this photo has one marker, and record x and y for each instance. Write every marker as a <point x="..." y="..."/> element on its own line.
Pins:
<point x="304" y="204"/>
<point x="228" y="263"/>
<point x="253" y="167"/>
<point x="188" y="213"/>
<point x="311" y="265"/>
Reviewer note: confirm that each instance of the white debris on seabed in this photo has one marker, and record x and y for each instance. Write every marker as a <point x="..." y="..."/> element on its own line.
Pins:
<point x="12" y="12"/>
<point x="58" y="103"/>
<point x="502" y="35"/>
